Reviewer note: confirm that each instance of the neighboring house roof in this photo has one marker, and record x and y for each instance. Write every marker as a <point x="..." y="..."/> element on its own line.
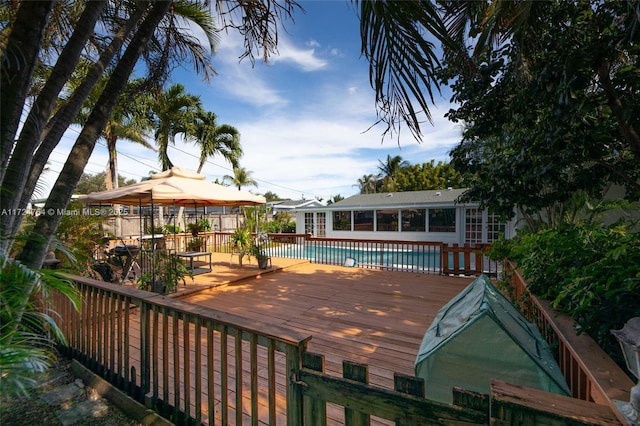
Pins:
<point x="294" y="204"/>
<point x="398" y="199"/>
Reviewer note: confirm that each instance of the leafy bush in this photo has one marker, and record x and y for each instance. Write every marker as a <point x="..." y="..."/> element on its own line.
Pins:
<point x="28" y="334"/>
<point x="589" y="271"/>
<point x="170" y="228"/>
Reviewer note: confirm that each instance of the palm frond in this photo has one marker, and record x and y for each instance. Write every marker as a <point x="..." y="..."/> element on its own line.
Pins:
<point x="403" y="62"/>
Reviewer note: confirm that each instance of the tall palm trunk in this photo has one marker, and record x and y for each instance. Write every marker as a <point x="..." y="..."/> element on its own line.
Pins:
<point x="16" y="174"/>
<point x="36" y="246"/>
<point x="16" y="69"/>
<point x="57" y="126"/>
<point x="111" y="177"/>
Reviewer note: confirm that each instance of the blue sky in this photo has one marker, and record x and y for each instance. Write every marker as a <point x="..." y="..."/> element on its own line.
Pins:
<point x="303" y="117"/>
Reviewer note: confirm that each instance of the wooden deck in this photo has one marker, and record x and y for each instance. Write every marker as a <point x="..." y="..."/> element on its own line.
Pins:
<point x="377" y="318"/>
<point x="189" y="360"/>
<point x="371" y="317"/>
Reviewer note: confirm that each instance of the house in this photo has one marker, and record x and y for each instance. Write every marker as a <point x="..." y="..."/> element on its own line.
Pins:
<point x="290" y="205"/>
<point x="433" y="215"/>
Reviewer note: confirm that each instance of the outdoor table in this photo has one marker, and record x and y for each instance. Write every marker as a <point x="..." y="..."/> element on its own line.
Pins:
<point x="194" y="254"/>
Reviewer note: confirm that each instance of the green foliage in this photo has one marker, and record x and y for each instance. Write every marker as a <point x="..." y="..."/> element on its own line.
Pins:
<point x="587" y="270"/>
<point x="167" y="273"/>
<point x="271" y="196"/>
<point x="93" y="183"/>
<point x="204" y="224"/>
<point x="195" y="244"/>
<point x="199" y="226"/>
<point x="241" y="240"/>
<point x="27" y="334"/>
<point x="170" y="228"/>
<point x="425" y="176"/>
<point x="153" y="229"/>
<point x="280" y="223"/>
<point x="539" y="117"/>
<point x="76" y="237"/>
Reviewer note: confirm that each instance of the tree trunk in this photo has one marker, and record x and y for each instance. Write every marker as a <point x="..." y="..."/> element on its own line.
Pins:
<point x="16" y="174"/>
<point x="57" y="126"/>
<point x="111" y="178"/>
<point x="16" y="69"/>
<point x="35" y="248"/>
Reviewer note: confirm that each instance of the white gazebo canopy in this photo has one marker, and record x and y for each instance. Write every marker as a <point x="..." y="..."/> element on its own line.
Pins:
<point x="176" y="186"/>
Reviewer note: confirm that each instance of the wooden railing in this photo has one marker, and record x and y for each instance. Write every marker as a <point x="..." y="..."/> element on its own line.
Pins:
<point x="182" y="359"/>
<point x="589" y="372"/>
<point x="397" y="255"/>
<point x="197" y="365"/>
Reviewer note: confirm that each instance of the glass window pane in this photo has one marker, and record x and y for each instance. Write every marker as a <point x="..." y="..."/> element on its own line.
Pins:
<point x="342" y="221"/>
<point x="387" y="220"/>
<point x="442" y="220"/>
<point x="414" y="220"/>
<point x="363" y="220"/>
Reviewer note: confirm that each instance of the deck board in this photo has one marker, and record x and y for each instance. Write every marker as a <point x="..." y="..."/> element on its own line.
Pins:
<point x="367" y="316"/>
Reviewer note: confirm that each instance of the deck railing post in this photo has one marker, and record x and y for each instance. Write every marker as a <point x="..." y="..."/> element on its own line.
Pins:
<point x="145" y="349"/>
<point x="294" y="392"/>
<point x="411" y="386"/>
<point x="359" y="373"/>
<point x="315" y="410"/>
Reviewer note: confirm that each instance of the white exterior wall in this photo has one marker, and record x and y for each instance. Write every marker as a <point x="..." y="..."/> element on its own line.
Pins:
<point x="457" y="237"/>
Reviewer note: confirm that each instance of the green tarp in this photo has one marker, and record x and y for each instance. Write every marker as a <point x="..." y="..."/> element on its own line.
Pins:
<point x="479" y="336"/>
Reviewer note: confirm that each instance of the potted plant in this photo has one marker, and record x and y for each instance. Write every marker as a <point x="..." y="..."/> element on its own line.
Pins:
<point x="258" y="251"/>
<point x="195" y="228"/>
<point x="195" y="244"/>
<point x="166" y="274"/>
<point x="241" y="243"/>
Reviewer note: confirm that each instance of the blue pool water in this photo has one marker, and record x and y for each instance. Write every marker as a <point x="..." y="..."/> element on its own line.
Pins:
<point x="379" y="258"/>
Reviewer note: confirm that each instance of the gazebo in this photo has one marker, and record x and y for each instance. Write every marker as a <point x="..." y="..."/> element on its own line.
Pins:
<point x="174" y="187"/>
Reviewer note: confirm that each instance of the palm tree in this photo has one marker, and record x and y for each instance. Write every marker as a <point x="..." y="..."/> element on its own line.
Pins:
<point x="173" y="111"/>
<point x="35" y="248"/>
<point x="26" y="350"/>
<point x="23" y="43"/>
<point x="390" y="170"/>
<point x="121" y="126"/>
<point x="213" y="139"/>
<point x="368" y="183"/>
<point x="241" y="177"/>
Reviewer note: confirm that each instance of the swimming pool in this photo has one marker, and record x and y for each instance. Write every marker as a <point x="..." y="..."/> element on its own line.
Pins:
<point x="388" y="256"/>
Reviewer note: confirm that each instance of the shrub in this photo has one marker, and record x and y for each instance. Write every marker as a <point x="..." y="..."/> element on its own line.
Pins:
<point x="589" y="271"/>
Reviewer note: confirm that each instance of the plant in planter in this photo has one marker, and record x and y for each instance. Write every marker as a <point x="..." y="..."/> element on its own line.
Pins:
<point x="195" y="244"/>
<point x="241" y="243"/>
<point x="195" y="228"/>
<point x="167" y="273"/>
<point x="259" y="252"/>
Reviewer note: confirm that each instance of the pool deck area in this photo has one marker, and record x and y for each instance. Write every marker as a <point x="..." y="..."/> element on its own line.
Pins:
<point x="361" y="315"/>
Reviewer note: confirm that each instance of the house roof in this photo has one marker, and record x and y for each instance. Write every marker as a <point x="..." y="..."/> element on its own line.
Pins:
<point x="292" y="204"/>
<point x="399" y="199"/>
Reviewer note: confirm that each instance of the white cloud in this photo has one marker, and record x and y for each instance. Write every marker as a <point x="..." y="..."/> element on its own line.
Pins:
<point x="305" y="59"/>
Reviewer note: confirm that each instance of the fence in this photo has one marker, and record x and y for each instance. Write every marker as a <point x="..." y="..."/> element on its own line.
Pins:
<point x="182" y="359"/>
<point x="397" y="255"/>
<point x="589" y="372"/>
<point x="195" y="365"/>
